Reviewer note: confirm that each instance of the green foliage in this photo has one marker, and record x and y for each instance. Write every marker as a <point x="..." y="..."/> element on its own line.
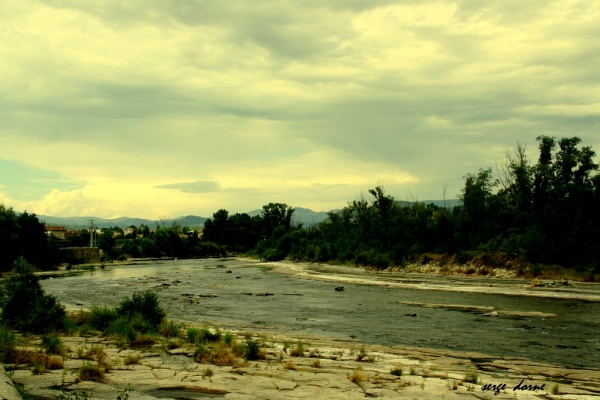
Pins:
<point x="252" y="350"/>
<point x="75" y="395"/>
<point x="144" y="310"/>
<point x="169" y="329"/>
<point x="24" y="304"/>
<point x="7" y="344"/>
<point x="203" y="335"/>
<point x="298" y="350"/>
<point x="23" y="235"/>
<point x="101" y="317"/>
<point x="123" y="327"/>
<point x="53" y="344"/>
<point x="471" y="376"/>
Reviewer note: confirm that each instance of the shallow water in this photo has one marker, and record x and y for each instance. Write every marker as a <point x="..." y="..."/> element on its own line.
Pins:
<point x="373" y="314"/>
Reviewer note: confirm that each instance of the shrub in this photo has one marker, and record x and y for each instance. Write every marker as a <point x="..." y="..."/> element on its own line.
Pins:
<point x="101" y="317"/>
<point x="229" y="339"/>
<point x="122" y="327"/>
<point x="7" y="344"/>
<point x="144" y="310"/>
<point x="24" y="304"/>
<point x="39" y="367"/>
<point x="53" y="344"/>
<point x="471" y="376"/>
<point x="362" y="354"/>
<point x="169" y="329"/>
<point x="252" y="349"/>
<point x="298" y="350"/>
<point x="201" y="353"/>
<point x="203" y="335"/>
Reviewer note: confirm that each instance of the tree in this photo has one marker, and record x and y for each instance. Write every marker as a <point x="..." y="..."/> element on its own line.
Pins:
<point x="24" y="304"/>
<point x="277" y="219"/>
<point x="23" y="235"/>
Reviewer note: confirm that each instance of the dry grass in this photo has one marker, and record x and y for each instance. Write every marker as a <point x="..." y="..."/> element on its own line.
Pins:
<point x="143" y="339"/>
<point x="358" y="377"/>
<point x="94" y="373"/>
<point x="316" y="363"/>
<point x="289" y="365"/>
<point x="131" y="359"/>
<point x="94" y="353"/>
<point x="396" y="370"/>
<point x="220" y="355"/>
<point x="80" y="317"/>
<point x="54" y="362"/>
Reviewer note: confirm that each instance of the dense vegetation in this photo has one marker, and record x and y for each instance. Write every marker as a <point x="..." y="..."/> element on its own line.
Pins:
<point x="542" y="213"/>
<point x="23" y="235"/>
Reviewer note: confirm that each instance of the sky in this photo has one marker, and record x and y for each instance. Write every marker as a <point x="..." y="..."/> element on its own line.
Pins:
<point x="165" y="108"/>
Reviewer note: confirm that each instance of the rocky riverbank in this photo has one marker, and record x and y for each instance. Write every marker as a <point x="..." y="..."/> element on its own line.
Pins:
<point x="326" y="370"/>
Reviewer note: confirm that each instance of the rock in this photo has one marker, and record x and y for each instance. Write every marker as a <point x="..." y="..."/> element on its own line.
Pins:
<point x="339" y="288"/>
<point x="7" y="389"/>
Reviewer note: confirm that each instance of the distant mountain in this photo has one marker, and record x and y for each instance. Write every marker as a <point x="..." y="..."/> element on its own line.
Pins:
<point x="304" y="216"/>
<point x="122" y="222"/>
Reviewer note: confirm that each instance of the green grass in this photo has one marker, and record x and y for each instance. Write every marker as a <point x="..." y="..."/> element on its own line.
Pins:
<point x="53" y="344"/>
<point x="471" y="376"/>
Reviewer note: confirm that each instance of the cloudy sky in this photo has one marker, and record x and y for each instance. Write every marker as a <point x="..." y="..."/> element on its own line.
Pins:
<point x="173" y="107"/>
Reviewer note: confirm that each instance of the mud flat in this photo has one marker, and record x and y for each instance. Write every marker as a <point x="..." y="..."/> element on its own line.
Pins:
<point x="327" y="370"/>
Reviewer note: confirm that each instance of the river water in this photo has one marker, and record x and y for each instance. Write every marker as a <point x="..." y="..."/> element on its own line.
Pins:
<point x="230" y="293"/>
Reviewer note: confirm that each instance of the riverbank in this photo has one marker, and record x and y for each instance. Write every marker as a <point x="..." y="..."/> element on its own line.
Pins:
<point x="326" y="370"/>
<point x="230" y="292"/>
<point x="498" y="281"/>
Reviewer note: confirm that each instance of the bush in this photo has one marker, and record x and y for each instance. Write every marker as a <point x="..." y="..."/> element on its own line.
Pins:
<point x="53" y="344"/>
<point x="122" y="327"/>
<point x="101" y="317"/>
<point x="144" y="310"/>
<point x="7" y="345"/>
<point x="169" y="329"/>
<point x="203" y="335"/>
<point x="24" y="304"/>
<point x="252" y="349"/>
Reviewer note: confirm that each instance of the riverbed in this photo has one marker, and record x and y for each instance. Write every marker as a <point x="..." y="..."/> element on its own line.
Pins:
<point x="500" y="317"/>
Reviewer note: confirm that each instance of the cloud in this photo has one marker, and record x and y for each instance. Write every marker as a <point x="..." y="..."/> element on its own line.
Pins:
<point x="231" y="104"/>
<point x="192" y="187"/>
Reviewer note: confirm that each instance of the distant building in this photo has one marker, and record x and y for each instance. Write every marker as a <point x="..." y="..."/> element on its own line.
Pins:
<point x="56" y="231"/>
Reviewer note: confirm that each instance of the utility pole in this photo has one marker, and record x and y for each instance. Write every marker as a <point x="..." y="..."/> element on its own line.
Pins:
<point x="92" y="232"/>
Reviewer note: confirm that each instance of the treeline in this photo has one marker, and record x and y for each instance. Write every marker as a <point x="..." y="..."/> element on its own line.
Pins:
<point x="223" y="234"/>
<point x="544" y="213"/>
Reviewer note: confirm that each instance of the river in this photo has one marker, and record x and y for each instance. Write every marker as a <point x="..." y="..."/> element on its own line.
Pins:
<point x="248" y="296"/>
